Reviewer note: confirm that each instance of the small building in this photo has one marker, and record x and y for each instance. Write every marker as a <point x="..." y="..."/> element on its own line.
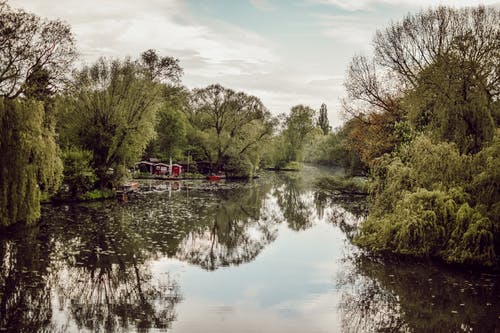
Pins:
<point x="160" y="169"/>
<point x="176" y="170"/>
<point x="145" y="166"/>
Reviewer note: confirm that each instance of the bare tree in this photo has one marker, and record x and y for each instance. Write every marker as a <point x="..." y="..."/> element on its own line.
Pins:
<point x="368" y="89"/>
<point x="32" y="48"/>
<point x="404" y="50"/>
<point x="161" y="69"/>
<point x="408" y="47"/>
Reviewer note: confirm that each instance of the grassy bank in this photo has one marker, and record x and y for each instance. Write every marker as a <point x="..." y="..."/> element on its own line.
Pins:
<point x="336" y="185"/>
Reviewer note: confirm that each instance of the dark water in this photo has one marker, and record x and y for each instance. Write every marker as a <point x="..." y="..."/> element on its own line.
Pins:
<point x="272" y="255"/>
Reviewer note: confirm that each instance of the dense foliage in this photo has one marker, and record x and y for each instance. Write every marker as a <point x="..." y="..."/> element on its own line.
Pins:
<point x="229" y="127"/>
<point x="427" y="202"/>
<point x="298" y="128"/>
<point x="34" y="53"/>
<point x="31" y="165"/>
<point x="111" y="112"/>
<point x="431" y="135"/>
<point x="336" y="150"/>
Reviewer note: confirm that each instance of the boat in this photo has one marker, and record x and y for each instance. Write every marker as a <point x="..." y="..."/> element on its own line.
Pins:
<point x="129" y="187"/>
<point x="215" y="177"/>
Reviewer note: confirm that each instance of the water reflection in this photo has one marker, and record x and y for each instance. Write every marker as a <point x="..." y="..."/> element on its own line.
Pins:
<point x="396" y="296"/>
<point x="233" y="229"/>
<point x="109" y="266"/>
<point x="104" y="279"/>
<point x="294" y="201"/>
<point x="25" y="294"/>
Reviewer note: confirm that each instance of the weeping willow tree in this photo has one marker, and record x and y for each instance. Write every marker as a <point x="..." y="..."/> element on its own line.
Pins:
<point x="31" y="165"/>
<point x="430" y="202"/>
<point x="35" y="54"/>
<point x="435" y="186"/>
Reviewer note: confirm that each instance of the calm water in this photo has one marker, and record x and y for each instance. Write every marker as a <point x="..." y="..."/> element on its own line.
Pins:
<point x="272" y="255"/>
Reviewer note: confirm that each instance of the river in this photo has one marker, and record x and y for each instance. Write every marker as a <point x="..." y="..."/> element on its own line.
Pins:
<point x="269" y="255"/>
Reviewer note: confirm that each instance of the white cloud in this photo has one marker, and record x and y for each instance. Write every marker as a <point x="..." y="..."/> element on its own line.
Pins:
<point x="281" y="67"/>
<point x="370" y="4"/>
<point x="263" y="5"/>
<point x="126" y="28"/>
<point x="210" y="51"/>
<point x="354" y="30"/>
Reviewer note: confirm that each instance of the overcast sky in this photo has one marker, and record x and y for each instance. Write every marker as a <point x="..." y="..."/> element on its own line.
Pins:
<point x="286" y="52"/>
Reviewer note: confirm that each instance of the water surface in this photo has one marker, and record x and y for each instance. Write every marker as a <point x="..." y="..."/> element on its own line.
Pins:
<point x="270" y="255"/>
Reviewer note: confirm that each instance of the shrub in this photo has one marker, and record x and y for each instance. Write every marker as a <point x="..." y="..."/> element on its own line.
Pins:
<point x="431" y="201"/>
<point x="97" y="195"/>
<point x="79" y="176"/>
<point x="342" y="185"/>
<point x="239" y="167"/>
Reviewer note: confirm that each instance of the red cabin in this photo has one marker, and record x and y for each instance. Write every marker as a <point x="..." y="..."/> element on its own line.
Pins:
<point x="158" y="168"/>
<point x="176" y="170"/>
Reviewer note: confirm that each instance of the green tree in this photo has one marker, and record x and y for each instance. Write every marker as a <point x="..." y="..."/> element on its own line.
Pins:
<point x="34" y="56"/>
<point x="112" y="113"/>
<point x="335" y="150"/>
<point x="79" y="176"/>
<point x="426" y="134"/>
<point x="228" y="124"/>
<point x="451" y="102"/>
<point x="425" y="204"/>
<point x="172" y="126"/>
<point x="297" y="126"/>
<point x="323" y="122"/>
<point x="31" y="167"/>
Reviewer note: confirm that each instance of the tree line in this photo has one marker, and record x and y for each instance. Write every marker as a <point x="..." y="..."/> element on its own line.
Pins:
<point x="423" y="115"/>
<point x="73" y="133"/>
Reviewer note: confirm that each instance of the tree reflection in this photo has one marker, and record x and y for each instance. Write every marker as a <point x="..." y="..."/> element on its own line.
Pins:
<point x="25" y="303"/>
<point x="103" y="276"/>
<point x="301" y="204"/>
<point x="230" y="230"/>
<point x="346" y="211"/>
<point x="295" y="202"/>
<point x="384" y="296"/>
<point x="92" y="262"/>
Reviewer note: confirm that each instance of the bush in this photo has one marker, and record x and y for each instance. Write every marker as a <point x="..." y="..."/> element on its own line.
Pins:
<point x="239" y="167"/>
<point x="342" y="185"/>
<point x="432" y="224"/>
<point x="97" y="195"/>
<point x="79" y="176"/>
<point x="431" y="201"/>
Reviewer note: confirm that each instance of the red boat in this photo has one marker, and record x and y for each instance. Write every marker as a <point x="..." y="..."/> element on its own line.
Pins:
<point x="215" y="177"/>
